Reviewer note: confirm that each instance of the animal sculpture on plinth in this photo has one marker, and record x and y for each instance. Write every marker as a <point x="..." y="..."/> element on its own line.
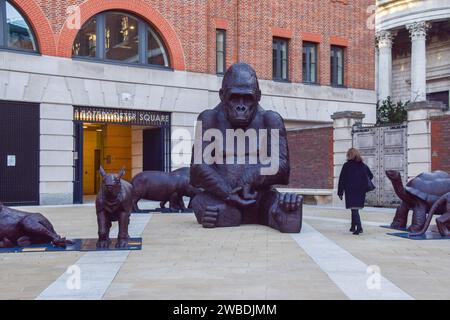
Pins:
<point x="237" y="179"/>
<point x="419" y="194"/>
<point x="22" y="229"/>
<point x="114" y="203"/>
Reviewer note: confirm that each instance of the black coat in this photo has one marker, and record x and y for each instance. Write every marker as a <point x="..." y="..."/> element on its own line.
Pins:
<point x="353" y="182"/>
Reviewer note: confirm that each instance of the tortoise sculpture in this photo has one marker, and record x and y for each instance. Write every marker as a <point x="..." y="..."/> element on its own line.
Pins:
<point x="418" y="195"/>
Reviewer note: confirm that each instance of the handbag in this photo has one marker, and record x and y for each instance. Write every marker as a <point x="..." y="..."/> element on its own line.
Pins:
<point x="370" y="185"/>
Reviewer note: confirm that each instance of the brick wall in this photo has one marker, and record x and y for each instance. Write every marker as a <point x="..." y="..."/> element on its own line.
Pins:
<point x="188" y="28"/>
<point x="440" y="143"/>
<point x="311" y="156"/>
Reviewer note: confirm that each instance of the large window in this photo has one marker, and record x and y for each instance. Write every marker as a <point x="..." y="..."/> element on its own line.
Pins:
<point x="309" y="62"/>
<point x="337" y="66"/>
<point x="442" y="96"/>
<point x="15" y="31"/>
<point x="309" y="58"/>
<point x="121" y="37"/>
<point x="280" y="59"/>
<point x="220" y="51"/>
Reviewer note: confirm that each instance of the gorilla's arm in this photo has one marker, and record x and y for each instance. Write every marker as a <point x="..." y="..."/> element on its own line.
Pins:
<point x="205" y="175"/>
<point x="272" y="120"/>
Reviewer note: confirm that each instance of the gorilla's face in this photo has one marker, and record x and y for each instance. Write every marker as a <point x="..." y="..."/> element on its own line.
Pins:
<point x="240" y="109"/>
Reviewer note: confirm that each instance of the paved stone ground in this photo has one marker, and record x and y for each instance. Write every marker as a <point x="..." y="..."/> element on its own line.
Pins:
<point x="181" y="260"/>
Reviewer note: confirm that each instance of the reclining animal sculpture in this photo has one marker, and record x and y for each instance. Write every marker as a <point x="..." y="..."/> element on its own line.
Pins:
<point x="19" y="228"/>
<point x="114" y="203"/>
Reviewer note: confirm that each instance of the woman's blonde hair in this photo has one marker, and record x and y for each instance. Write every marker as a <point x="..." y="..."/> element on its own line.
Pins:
<point x="353" y="154"/>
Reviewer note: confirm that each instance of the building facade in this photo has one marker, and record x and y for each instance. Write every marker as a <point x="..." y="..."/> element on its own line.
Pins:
<point x="121" y="82"/>
<point x="413" y="64"/>
<point x="413" y="50"/>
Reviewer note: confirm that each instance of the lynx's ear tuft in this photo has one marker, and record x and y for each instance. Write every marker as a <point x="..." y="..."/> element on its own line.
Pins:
<point x="121" y="172"/>
<point x="102" y="172"/>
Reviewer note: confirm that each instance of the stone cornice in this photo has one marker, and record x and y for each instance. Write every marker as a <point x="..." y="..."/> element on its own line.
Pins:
<point x="348" y="115"/>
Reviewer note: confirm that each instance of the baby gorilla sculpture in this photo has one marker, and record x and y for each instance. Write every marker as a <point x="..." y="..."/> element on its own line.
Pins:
<point x="18" y="228"/>
<point x="238" y="193"/>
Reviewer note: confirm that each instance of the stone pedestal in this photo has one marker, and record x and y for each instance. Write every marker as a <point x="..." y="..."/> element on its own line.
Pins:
<point x="419" y="136"/>
<point x="343" y="123"/>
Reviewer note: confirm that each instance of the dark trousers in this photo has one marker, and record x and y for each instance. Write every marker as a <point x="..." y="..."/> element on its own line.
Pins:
<point x="356" y="219"/>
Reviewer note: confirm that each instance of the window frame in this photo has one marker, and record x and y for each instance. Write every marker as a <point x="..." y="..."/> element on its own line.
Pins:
<point x="224" y="51"/>
<point x="277" y="62"/>
<point x="4" y="33"/>
<point x="307" y="63"/>
<point x="334" y="66"/>
<point x="100" y="53"/>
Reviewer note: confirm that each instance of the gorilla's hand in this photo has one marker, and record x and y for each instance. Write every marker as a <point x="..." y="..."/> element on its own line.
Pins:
<point x="289" y="201"/>
<point x="234" y="198"/>
<point x="247" y="193"/>
<point x="210" y="217"/>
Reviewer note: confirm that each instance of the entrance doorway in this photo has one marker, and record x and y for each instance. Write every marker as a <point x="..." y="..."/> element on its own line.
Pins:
<point x="139" y="141"/>
<point x="107" y="145"/>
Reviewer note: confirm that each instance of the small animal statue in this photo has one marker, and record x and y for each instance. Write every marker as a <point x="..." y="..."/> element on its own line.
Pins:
<point x="163" y="186"/>
<point x="443" y="222"/>
<point x="419" y="194"/>
<point x="18" y="228"/>
<point x="114" y="203"/>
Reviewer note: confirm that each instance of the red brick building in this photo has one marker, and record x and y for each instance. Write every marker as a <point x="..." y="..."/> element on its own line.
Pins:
<point x="164" y="58"/>
<point x="440" y="143"/>
<point x="189" y="29"/>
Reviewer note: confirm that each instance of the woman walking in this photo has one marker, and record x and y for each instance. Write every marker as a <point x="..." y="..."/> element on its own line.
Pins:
<point x="353" y="182"/>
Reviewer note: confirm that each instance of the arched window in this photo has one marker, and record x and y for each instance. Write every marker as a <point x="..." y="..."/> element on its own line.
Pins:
<point x="122" y="37"/>
<point x="15" y="31"/>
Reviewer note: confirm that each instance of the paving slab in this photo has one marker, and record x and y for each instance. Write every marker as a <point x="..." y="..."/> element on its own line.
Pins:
<point x="181" y="260"/>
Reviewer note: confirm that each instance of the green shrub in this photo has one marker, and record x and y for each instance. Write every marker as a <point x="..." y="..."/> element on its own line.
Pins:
<point x="391" y="112"/>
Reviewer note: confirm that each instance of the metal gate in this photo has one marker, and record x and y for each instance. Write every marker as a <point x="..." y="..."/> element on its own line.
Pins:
<point x="19" y="153"/>
<point x="383" y="148"/>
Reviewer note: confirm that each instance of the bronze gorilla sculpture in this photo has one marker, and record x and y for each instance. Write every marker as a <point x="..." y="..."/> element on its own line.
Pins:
<point x="114" y="203"/>
<point x="236" y="192"/>
<point x="18" y="228"/>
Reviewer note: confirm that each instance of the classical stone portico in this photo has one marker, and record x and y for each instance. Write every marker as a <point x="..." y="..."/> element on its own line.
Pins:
<point x="412" y="49"/>
<point x="413" y="64"/>
<point x="385" y="38"/>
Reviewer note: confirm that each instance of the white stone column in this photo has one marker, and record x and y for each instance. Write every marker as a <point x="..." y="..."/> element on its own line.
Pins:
<point x="343" y="123"/>
<point x="384" y="80"/>
<point x="418" y="33"/>
<point x="419" y="136"/>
